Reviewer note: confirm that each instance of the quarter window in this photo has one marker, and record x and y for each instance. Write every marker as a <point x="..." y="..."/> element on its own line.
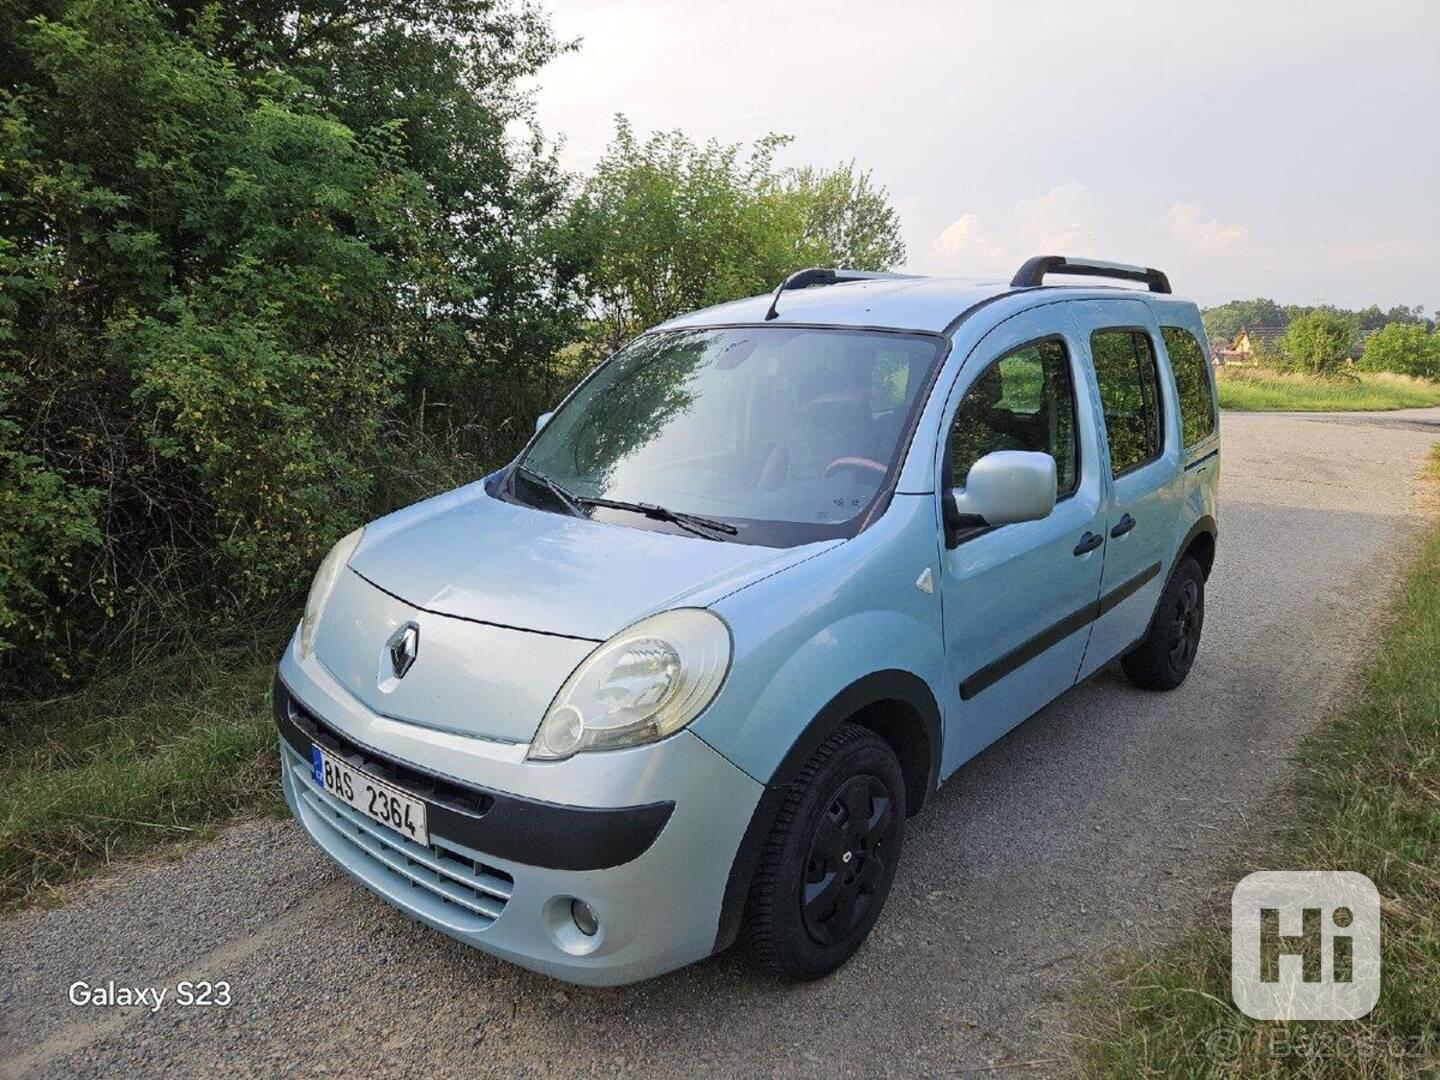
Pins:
<point x="1130" y="395"/>
<point x="1192" y="382"/>
<point x="1023" y="401"/>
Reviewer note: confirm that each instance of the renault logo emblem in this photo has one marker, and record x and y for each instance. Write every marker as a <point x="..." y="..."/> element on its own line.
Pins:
<point x="403" y="648"/>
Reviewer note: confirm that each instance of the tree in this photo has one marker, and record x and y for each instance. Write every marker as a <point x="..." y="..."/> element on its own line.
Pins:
<point x="665" y="226"/>
<point x="845" y="220"/>
<point x="1318" y="342"/>
<point x="1222" y="323"/>
<point x="1404" y="347"/>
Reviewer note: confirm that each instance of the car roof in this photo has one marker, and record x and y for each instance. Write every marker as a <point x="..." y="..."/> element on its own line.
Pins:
<point x="928" y="304"/>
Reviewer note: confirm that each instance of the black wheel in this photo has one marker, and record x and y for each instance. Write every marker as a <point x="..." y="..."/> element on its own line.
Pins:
<point x="830" y="858"/>
<point x="1164" y="658"/>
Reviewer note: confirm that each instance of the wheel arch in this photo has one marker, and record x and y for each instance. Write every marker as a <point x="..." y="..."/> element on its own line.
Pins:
<point x="1199" y="543"/>
<point x="900" y="708"/>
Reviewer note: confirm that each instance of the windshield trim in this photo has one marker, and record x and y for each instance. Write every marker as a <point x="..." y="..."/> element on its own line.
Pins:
<point x="764" y="532"/>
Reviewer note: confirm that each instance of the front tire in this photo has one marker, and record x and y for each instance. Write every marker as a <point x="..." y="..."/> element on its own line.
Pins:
<point x="830" y="858"/>
<point x="1165" y="657"/>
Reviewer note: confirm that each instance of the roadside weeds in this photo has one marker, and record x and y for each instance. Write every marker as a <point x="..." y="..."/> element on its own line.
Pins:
<point x="1366" y="798"/>
<point x="149" y="760"/>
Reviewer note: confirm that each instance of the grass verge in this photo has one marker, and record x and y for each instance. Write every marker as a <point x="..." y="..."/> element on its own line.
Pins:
<point x="1367" y="799"/>
<point x="1258" y="389"/>
<point x="160" y="755"/>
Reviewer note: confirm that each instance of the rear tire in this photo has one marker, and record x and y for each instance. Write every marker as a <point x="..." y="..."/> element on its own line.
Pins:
<point x="830" y="859"/>
<point x="1165" y="657"/>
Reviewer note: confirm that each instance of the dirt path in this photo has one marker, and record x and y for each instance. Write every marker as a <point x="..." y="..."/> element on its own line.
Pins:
<point x="1094" y="824"/>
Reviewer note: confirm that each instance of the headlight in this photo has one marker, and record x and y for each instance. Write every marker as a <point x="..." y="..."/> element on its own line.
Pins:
<point x="647" y="681"/>
<point x="323" y="586"/>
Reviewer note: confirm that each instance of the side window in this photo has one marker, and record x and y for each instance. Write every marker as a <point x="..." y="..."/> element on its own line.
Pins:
<point x="1192" y="380"/>
<point x="1130" y="395"/>
<point x="1023" y="401"/>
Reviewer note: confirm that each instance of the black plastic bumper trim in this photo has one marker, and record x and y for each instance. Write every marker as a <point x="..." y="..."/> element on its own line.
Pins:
<point x="544" y="834"/>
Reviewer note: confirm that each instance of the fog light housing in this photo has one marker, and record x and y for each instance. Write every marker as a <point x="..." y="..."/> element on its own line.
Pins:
<point x="585" y="920"/>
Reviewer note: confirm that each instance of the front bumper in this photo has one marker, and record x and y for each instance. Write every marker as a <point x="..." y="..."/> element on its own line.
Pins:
<point x="646" y="837"/>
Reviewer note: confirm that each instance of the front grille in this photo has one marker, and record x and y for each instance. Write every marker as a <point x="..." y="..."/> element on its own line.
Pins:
<point x="470" y="894"/>
<point x="433" y="789"/>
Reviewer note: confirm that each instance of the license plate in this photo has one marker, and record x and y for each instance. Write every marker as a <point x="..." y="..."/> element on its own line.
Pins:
<point x="374" y="798"/>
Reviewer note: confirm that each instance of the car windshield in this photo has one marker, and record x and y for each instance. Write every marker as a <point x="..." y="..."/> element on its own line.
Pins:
<point x="784" y="434"/>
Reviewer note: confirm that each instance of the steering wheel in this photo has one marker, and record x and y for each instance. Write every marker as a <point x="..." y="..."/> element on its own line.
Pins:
<point x="854" y="463"/>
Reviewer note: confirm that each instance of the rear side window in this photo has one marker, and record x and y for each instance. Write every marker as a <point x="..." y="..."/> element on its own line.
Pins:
<point x="1192" y="380"/>
<point x="1023" y="401"/>
<point x="1130" y="394"/>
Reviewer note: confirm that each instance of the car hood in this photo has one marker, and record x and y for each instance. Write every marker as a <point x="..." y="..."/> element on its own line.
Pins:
<point x="474" y="556"/>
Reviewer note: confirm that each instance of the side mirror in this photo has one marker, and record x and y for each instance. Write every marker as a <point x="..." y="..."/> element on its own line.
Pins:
<point x="1007" y="486"/>
<point x="543" y="419"/>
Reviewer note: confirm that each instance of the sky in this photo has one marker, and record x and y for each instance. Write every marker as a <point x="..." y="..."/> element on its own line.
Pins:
<point x="1266" y="148"/>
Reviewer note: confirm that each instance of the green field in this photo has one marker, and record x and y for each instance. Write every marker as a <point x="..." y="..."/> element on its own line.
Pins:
<point x="1367" y="799"/>
<point x="1259" y="389"/>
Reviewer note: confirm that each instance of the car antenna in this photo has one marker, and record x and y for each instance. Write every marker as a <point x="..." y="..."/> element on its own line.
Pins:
<point x="803" y="279"/>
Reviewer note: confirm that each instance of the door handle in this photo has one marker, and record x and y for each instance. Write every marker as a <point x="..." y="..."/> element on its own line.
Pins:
<point x="1088" y="543"/>
<point x="1124" y="525"/>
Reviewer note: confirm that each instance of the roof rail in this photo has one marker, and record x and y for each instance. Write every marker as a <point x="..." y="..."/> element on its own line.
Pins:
<point x="1034" y="271"/>
<point x="803" y="279"/>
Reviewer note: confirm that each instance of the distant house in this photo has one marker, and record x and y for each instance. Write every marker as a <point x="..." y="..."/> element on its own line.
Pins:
<point x="1249" y="345"/>
<point x="1253" y="343"/>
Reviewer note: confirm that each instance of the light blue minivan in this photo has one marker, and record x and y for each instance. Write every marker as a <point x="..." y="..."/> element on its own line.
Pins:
<point x="680" y="672"/>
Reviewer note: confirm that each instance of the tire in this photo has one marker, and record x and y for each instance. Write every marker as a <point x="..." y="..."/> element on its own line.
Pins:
<point x="1165" y="657"/>
<point x="837" y="840"/>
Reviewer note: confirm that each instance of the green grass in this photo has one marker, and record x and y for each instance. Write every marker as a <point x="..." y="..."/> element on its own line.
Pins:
<point x="1367" y="799"/>
<point x="160" y="755"/>
<point x="1259" y="389"/>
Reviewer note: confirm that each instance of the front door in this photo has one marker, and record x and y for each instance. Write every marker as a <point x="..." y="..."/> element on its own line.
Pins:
<point x="1142" y="440"/>
<point x="1018" y="599"/>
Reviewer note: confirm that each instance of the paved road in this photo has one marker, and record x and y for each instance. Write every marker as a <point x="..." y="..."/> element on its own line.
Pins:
<point x="1099" y="822"/>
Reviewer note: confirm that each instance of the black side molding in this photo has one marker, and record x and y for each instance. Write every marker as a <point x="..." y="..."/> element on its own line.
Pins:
<point x="528" y="831"/>
<point x="1211" y="456"/>
<point x="997" y="669"/>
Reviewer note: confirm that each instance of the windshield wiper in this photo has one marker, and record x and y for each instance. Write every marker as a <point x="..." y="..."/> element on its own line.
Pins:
<point x="563" y="495"/>
<point x="694" y="523"/>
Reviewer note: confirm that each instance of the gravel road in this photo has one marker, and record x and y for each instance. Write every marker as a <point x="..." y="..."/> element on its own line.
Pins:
<point x="1098" y="823"/>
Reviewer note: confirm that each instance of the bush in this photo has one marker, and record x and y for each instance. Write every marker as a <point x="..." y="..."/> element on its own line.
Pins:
<point x="1318" y="342"/>
<point x="45" y="523"/>
<point x="267" y="274"/>
<point x="1404" y="348"/>
<point x="237" y="253"/>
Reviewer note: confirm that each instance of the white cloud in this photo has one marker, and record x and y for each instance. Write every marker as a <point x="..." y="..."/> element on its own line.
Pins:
<point x="964" y="244"/>
<point x="1063" y="221"/>
<point x="1206" y="237"/>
